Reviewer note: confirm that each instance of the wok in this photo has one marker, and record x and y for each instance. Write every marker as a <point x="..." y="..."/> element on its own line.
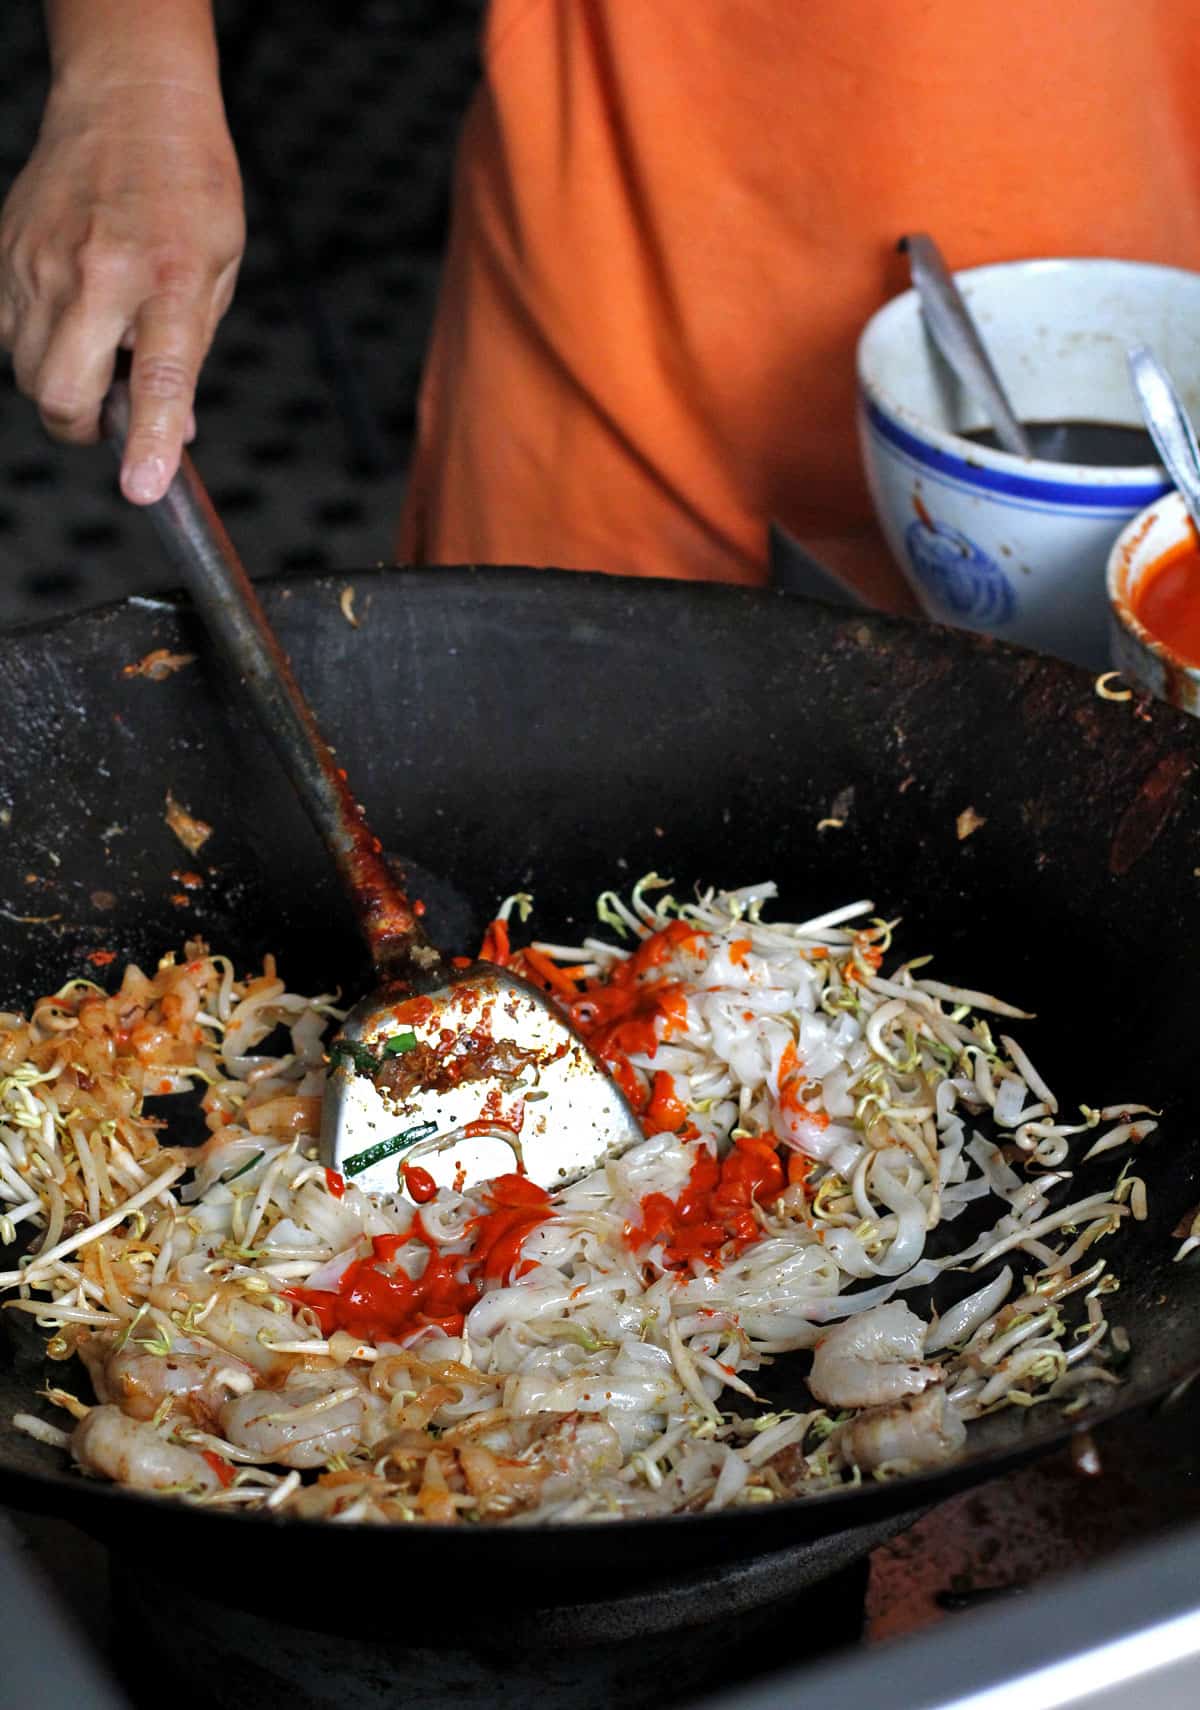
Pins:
<point x="562" y="733"/>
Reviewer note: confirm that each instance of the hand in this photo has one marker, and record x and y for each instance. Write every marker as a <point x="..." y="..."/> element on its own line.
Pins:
<point x="125" y="229"/>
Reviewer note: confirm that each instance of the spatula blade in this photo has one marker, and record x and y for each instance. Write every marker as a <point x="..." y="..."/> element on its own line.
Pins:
<point x="474" y="1080"/>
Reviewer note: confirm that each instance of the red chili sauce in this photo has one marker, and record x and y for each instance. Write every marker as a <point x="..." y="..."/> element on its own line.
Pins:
<point x="375" y="1302"/>
<point x="714" y="1207"/>
<point x="629" y="1012"/>
<point x="1167" y="600"/>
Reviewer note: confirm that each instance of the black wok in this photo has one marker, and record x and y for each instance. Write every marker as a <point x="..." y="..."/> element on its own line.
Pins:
<point x="518" y="729"/>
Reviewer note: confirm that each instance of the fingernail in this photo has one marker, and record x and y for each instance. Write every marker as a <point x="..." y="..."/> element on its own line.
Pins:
<point x="145" y="481"/>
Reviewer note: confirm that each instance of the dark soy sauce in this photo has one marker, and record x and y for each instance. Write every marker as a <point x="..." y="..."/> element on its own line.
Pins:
<point x="1099" y="444"/>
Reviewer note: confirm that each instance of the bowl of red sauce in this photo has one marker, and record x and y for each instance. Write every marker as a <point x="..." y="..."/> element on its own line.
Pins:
<point x="1154" y="603"/>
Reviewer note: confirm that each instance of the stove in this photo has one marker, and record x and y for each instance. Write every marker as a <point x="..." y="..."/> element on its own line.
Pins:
<point x="1027" y="1582"/>
<point x="663" y="1645"/>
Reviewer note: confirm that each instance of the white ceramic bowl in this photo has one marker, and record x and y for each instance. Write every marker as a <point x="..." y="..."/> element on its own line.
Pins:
<point x="1139" y="656"/>
<point x="999" y="543"/>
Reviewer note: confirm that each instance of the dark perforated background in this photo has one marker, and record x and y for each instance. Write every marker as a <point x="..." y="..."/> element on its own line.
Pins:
<point x="346" y="118"/>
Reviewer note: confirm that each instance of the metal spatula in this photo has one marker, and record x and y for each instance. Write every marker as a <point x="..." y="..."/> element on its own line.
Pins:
<point x="953" y="329"/>
<point x="470" y="1072"/>
<point x="1169" y="424"/>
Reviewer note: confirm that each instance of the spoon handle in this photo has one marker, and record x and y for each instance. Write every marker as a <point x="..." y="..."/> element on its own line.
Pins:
<point x="188" y="526"/>
<point x="954" y="332"/>
<point x="1169" y="425"/>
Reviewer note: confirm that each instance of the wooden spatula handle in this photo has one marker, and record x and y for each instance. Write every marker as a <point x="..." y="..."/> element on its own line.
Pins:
<point x="198" y="545"/>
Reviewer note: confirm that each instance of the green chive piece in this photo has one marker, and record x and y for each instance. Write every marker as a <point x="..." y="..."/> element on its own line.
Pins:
<point x="398" y="1043"/>
<point x="387" y="1148"/>
<point x="348" y="1051"/>
<point x="242" y="1168"/>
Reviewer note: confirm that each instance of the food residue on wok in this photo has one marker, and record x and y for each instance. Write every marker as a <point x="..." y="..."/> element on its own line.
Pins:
<point x="260" y="1333"/>
<point x="193" y="833"/>
<point x="158" y="665"/>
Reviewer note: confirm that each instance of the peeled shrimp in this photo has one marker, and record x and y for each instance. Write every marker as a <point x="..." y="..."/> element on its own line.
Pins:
<point x="872" y="1359"/>
<point x="131" y="1452"/>
<point x="573" y="1452"/>
<point x="311" y="1418"/>
<point x="235" y="1323"/>
<point x="139" y="1381"/>
<point x="920" y="1431"/>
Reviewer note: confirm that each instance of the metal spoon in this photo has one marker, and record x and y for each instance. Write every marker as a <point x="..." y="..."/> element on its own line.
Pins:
<point x="1169" y="425"/>
<point x="958" y="338"/>
<point x="471" y="1069"/>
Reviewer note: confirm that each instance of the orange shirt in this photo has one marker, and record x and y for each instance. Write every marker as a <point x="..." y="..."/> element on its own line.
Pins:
<point x="673" y="218"/>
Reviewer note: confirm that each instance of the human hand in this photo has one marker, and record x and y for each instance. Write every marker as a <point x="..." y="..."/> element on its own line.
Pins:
<point x="124" y="230"/>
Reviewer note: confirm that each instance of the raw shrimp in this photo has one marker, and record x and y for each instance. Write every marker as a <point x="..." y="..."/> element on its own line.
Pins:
<point x="239" y="1326"/>
<point x="139" y="1380"/>
<point x="872" y="1359"/>
<point x="919" y="1431"/>
<point x="132" y="1452"/>
<point x="314" y="1416"/>
<point x="575" y="1451"/>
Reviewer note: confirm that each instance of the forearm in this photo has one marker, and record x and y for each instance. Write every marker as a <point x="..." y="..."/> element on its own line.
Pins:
<point x="100" y="45"/>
